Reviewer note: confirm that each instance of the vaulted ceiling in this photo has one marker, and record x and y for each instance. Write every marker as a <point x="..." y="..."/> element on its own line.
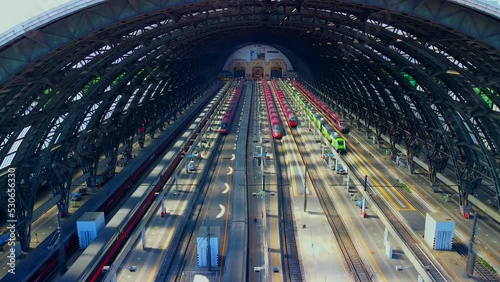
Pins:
<point x="424" y="71"/>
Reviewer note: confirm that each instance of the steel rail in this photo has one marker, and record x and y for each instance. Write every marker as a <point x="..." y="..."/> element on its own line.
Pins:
<point x="458" y="245"/>
<point x="357" y="267"/>
<point x="428" y="263"/>
<point x="292" y="264"/>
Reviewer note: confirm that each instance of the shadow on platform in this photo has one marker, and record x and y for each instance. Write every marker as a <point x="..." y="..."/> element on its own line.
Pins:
<point x="314" y="212"/>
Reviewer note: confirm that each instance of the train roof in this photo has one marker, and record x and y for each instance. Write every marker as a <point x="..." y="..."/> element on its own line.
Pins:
<point x="83" y="267"/>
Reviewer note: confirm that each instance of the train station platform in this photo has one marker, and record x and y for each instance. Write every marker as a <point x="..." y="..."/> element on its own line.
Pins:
<point x="163" y="233"/>
<point x="43" y="227"/>
<point x="488" y="230"/>
<point x="322" y="258"/>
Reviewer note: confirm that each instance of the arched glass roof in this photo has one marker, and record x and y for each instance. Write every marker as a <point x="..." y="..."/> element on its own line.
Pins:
<point x="427" y="75"/>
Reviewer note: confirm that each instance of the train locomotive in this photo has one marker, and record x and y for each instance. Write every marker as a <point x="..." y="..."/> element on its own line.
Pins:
<point x="273" y="112"/>
<point x="338" y="122"/>
<point x="228" y="116"/>
<point x="326" y="129"/>
<point x="117" y="186"/>
<point x="290" y="115"/>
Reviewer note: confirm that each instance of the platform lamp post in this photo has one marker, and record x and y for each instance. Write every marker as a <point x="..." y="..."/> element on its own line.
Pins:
<point x="263" y="157"/>
<point x="471" y="254"/>
<point x="162" y="201"/>
<point x="209" y="250"/>
<point x="60" y="242"/>
<point x="366" y="182"/>
<point x="176" y="187"/>
<point x="347" y="183"/>
<point x="61" y="255"/>
<point x="262" y="195"/>
<point x="305" y="189"/>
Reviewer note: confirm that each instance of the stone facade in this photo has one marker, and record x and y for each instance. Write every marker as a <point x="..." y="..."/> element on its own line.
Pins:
<point x="258" y="68"/>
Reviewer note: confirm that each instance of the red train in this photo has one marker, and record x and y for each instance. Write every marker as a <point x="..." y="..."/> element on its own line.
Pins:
<point x="228" y="116"/>
<point x="42" y="269"/>
<point x="273" y="112"/>
<point x="290" y="115"/>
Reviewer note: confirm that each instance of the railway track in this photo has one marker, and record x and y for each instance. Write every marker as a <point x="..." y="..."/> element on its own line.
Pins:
<point x="357" y="268"/>
<point x="428" y="263"/>
<point x="252" y="176"/>
<point x="288" y="230"/>
<point x="178" y="261"/>
<point x="292" y="264"/>
<point x="178" y="258"/>
<point x="175" y="260"/>
<point x="176" y="266"/>
<point x="458" y="245"/>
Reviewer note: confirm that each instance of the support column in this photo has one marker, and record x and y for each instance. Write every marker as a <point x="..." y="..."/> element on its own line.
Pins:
<point x="143" y="239"/>
<point x="388" y="246"/>
<point x="24" y="197"/>
<point x="470" y="182"/>
<point x="436" y="164"/>
<point x="412" y="149"/>
<point x="62" y="251"/>
<point x="472" y="252"/>
<point x="92" y="171"/>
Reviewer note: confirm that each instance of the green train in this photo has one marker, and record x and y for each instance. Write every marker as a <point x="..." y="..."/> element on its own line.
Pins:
<point x="326" y="129"/>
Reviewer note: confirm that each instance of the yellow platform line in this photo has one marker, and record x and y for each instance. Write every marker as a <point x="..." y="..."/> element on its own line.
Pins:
<point x="410" y="207"/>
<point x="154" y="271"/>
<point x="383" y="191"/>
<point x="276" y="258"/>
<point x="363" y="242"/>
<point x="224" y="241"/>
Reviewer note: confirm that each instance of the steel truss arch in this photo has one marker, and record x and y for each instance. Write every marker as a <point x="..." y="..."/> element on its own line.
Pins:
<point x="113" y="62"/>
